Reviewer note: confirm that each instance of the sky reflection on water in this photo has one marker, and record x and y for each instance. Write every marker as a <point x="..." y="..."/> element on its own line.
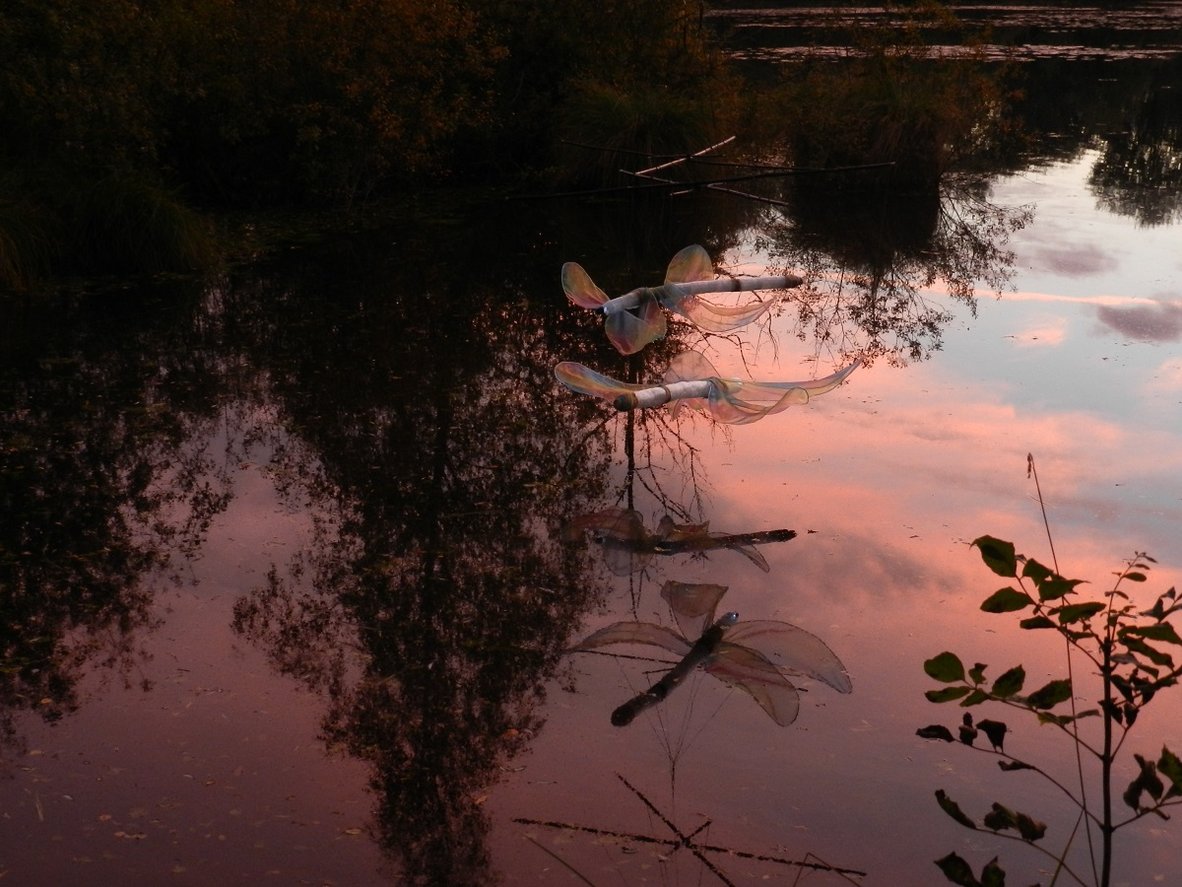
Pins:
<point x="897" y="472"/>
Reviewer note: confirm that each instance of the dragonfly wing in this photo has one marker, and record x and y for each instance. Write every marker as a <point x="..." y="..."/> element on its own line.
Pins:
<point x="749" y="552"/>
<point x="794" y="649"/>
<point x="585" y="380"/>
<point x="740" y="403"/>
<point x="690" y="264"/>
<point x="720" y="318"/>
<point x="636" y="633"/>
<point x="631" y="332"/>
<point x="742" y="667"/>
<point x="620" y="523"/>
<point x="693" y="604"/>
<point x="580" y="288"/>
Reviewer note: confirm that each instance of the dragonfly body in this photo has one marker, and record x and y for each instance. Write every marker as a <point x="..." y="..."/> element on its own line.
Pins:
<point x="693" y="381"/>
<point x="637" y="317"/>
<point x="699" y="653"/>
<point x="755" y="656"/>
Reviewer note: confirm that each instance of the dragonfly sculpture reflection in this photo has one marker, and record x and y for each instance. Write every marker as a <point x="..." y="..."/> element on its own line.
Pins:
<point x="755" y="656"/>
<point x="628" y="546"/>
<point x="692" y="381"/>
<point x="636" y="318"/>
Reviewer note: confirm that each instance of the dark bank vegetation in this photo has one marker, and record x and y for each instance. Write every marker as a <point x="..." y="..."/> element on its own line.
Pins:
<point x="125" y="127"/>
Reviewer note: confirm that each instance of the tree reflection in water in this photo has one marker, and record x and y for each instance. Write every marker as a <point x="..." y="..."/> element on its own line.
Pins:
<point x="873" y="259"/>
<point x="436" y="597"/>
<point x="97" y="408"/>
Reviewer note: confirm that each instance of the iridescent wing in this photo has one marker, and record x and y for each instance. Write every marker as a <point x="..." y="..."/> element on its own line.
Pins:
<point x="739" y="402"/>
<point x="697" y="537"/>
<point x="794" y="649"/>
<point x="580" y="288"/>
<point x="693" y="604"/>
<point x="636" y="633"/>
<point x="585" y="380"/>
<point x="629" y="332"/>
<point x="749" y="670"/>
<point x="690" y="264"/>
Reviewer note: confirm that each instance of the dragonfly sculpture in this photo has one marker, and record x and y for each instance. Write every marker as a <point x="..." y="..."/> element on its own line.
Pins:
<point x="755" y="656"/>
<point x="636" y="318"/>
<point x="628" y="546"/>
<point x="692" y="381"/>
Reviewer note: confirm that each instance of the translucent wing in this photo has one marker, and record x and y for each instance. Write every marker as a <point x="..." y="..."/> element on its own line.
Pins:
<point x="747" y="669"/>
<point x="738" y="402"/>
<point x="636" y="633"/>
<point x="720" y="318"/>
<point x="620" y="532"/>
<point x="580" y="288"/>
<point x="794" y="649"/>
<point x="629" y="332"/>
<point x="690" y="264"/>
<point x="692" y="604"/>
<point x="585" y="380"/>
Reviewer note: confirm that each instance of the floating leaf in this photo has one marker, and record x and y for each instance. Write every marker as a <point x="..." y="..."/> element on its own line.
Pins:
<point x="1037" y="622"/>
<point x="999" y="555"/>
<point x="950" y="807"/>
<point x="1006" y="600"/>
<point x="1009" y="683"/>
<point x="935" y="731"/>
<point x="945" y="668"/>
<point x="1050" y="695"/>
<point x="1013" y="765"/>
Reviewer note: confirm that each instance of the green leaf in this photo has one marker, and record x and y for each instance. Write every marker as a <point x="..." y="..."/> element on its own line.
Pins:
<point x="975" y="698"/>
<point x="957" y="871"/>
<point x="1050" y="695"/>
<point x="1079" y="612"/>
<point x="935" y="731"/>
<point x="1006" y="600"/>
<point x="999" y="555"/>
<point x="995" y="731"/>
<point x="1162" y="631"/>
<point x="1037" y="622"/>
<point x="950" y="807"/>
<point x="1009" y="683"/>
<point x="1135" y="577"/>
<point x="993" y="875"/>
<point x="1055" y="587"/>
<point x="1013" y="765"/>
<point x="1170" y="767"/>
<point x="946" y="694"/>
<point x="945" y="668"/>
<point x="977" y="673"/>
<point x="1032" y="569"/>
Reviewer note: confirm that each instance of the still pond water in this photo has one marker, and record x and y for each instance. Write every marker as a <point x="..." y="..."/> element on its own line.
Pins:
<point x="287" y="594"/>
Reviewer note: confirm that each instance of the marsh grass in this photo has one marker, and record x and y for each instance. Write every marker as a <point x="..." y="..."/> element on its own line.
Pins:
<point x="129" y="223"/>
<point x="29" y="242"/>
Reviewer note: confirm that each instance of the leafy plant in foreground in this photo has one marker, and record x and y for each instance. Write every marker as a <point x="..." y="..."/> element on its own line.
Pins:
<point x="1132" y="653"/>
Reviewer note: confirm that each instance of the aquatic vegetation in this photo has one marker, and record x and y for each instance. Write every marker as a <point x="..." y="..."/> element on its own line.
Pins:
<point x="1128" y="648"/>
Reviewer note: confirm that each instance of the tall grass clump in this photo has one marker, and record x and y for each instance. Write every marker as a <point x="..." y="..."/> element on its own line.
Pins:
<point x="129" y="223"/>
<point x="28" y="242"/>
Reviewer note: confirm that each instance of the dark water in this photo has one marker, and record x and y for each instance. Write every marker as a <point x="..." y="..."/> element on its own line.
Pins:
<point x="286" y="597"/>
